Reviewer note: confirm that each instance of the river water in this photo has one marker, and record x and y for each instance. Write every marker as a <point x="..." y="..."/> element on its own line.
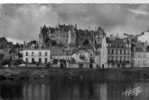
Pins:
<point x="71" y="90"/>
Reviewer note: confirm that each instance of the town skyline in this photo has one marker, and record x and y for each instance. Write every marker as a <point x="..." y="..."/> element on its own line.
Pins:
<point x="22" y="22"/>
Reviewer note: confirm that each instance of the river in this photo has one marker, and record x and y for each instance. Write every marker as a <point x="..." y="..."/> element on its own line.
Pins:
<point x="71" y="90"/>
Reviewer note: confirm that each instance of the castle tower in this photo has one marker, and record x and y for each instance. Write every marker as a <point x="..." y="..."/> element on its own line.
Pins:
<point x="43" y="36"/>
<point x="101" y="48"/>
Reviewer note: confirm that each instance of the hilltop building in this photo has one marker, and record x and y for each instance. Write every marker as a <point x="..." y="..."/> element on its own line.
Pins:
<point x="68" y="35"/>
<point x="62" y="35"/>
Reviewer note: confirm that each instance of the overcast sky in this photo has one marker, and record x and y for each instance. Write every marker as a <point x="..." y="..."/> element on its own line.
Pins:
<point x="23" y="22"/>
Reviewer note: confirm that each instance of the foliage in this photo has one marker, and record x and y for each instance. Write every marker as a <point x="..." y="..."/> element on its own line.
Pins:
<point x="5" y="62"/>
<point x="17" y="62"/>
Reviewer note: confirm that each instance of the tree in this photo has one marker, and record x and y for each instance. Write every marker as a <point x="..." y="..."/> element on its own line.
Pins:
<point x="5" y="62"/>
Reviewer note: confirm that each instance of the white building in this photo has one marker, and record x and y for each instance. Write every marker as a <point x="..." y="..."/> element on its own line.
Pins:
<point x="36" y="55"/>
<point x="141" y="59"/>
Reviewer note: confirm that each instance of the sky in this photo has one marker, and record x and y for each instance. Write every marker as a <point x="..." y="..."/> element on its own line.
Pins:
<point x="23" y="21"/>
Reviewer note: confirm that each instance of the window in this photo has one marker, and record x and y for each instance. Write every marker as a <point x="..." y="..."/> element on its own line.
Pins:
<point x="26" y="53"/>
<point x="39" y="60"/>
<point x="109" y="57"/>
<point x="116" y="51"/>
<point x="32" y="53"/>
<point x="120" y="58"/>
<point x="26" y="59"/>
<point x="39" y="53"/>
<point x="46" y="53"/>
<point x="120" y="51"/>
<point x="129" y="52"/>
<point x="124" y="51"/>
<point x="46" y="60"/>
<point x="108" y="51"/>
<point x="112" y="58"/>
<point x="33" y="60"/>
<point x="112" y="51"/>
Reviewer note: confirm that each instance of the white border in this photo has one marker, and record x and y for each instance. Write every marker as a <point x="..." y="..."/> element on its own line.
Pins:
<point x="76" y="1"/>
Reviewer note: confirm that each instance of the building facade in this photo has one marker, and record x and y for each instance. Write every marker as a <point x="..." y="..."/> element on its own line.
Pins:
<point x="141" y="56"/>
<point x="36" y="55"/>
<point x="141" y="59"/>
<point x="119" y="52"/>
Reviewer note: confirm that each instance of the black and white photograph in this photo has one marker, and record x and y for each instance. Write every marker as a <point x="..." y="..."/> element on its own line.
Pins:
<point x="74" y="51"/>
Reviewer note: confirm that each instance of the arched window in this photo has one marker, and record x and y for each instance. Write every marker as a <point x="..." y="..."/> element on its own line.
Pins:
<point x="112" y="51"/>
<point x="33" y="60"/>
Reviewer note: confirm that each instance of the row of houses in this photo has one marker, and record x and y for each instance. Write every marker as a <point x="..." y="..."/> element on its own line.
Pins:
<point x="100" y="51"/>
<point x="113" y="53"/>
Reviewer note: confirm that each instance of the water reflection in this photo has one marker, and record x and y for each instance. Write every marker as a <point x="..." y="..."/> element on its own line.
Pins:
<point x="10" y="91"/>
<point x="68" y="90"/>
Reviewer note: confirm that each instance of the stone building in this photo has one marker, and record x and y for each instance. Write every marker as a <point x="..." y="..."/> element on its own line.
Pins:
<point x="68" y="35"/>
<point x="61" y="35"/>
<point x="119" y="52"/>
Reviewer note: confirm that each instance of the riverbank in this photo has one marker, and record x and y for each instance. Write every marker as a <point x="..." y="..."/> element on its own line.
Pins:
<point x="125" y="74"/>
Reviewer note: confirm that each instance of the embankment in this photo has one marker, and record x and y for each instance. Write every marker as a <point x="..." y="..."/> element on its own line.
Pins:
<point x="129" y="74"/>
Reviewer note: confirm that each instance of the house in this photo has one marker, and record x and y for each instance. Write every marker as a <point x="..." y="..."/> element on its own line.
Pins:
<point x="36" y="55"/>
<point x="119" y="52"/>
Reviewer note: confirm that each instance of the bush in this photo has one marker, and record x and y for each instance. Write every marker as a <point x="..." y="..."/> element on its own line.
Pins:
<point x="17" y="62"/>
<point x="5" y="62"/>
